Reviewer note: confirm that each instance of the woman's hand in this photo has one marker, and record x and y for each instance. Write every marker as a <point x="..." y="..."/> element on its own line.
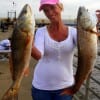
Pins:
<point x="69" y="91"/>
<point x="35" y="53"/>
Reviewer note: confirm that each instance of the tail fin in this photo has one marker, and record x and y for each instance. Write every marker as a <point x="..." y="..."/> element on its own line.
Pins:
<point x="11" y="94"/>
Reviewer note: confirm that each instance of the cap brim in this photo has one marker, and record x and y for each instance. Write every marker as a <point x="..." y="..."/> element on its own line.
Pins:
<point x="41" y="6"/>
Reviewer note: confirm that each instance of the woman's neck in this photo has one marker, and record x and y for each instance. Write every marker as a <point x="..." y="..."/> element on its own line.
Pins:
<point x="56" y="26"/>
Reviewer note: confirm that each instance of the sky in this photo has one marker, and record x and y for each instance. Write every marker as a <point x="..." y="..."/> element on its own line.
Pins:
<point x="69" y="12"/>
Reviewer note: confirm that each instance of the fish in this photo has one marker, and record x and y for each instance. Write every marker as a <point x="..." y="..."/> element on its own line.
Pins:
<point x="86" y="47"/>
<point x="21" y="45"/>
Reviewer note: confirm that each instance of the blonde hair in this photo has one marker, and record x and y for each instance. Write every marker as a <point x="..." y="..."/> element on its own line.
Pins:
<point x="60" y="5"/>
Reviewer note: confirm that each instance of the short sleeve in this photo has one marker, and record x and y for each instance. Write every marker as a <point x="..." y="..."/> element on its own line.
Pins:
<point x="39" y="40"/>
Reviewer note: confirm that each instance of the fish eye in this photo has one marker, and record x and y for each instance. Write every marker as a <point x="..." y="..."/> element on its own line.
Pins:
<point x="25" y="11"/>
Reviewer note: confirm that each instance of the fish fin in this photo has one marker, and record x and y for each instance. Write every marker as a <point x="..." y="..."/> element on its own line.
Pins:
<point x="27" y="40"/>
<point x="97" y="33"/>
<point x="11" y="94"/>
<point x="26" y="71"/>
<point x="94" y="32"/>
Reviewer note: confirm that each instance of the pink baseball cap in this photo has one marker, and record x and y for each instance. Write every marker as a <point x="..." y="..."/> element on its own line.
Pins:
<point x="52" y="2"/>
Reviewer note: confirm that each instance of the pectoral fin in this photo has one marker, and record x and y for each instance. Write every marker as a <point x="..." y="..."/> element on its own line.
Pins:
<point x="26" y="71"/>
<point x="28" y="40"/>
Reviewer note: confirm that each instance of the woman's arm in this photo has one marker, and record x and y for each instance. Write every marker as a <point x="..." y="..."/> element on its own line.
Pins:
<point x="38" y="44"/>
<point x="36" y="54"/>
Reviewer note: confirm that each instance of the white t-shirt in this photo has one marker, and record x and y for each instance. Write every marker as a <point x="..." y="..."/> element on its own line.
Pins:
<point x="55" y="69"/>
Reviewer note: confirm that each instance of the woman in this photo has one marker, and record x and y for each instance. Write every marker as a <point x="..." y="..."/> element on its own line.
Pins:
<point x="53" y="47"/>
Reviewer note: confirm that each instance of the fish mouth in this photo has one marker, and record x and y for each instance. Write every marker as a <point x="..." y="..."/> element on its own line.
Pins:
<point x="87" y="20"/>
<point x="81" y="10"/>
<point x="26" y="11"/>
<point x="25" y="18"/>
<point x="28" y="8"/>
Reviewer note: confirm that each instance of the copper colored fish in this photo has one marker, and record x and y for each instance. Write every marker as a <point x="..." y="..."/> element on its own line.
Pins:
<point x="21" y="44"/>
<point x="87" y="46"/>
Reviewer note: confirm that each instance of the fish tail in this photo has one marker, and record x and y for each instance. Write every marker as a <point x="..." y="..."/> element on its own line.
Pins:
<point x="11" y="94"/>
